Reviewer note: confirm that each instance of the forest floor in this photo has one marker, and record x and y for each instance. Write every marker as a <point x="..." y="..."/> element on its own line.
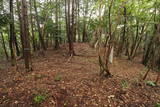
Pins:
<point x="60" y="81"/>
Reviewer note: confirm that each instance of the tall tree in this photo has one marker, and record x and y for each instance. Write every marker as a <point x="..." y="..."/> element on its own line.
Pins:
<point x="4" y="46"/>
<point x="68" y="26"/>
<point x="78" y="20"/>
<point x="84" y="38"/>
<point x="25" y="31"/>
<point x="20" y="21"/>
<point x="39" y="28"/>
<point x="122" y="43"/>
<point x="73" y="34"/>
<point x="12" y="35"/>
<point x="32" y="27"/>
<point x="57" y="25"/>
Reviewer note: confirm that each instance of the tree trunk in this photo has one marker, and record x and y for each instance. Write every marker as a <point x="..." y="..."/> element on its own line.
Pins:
<point x="32" y="29"/>
<point x="146" y="55"/>
<point x="20" y="21"/>
<point x="57" y="27"/>
<point x="12" y="36"/>
<point x="145" y="76"/>
<point x="25" y="30"/>
<point x="39" y="29"/>
<point x="17" y="48"/>
<point x="108" y="47"/>
<point x="78" y="18"/>
<point x="157" y="79"/>
<point x="73" y="21"/>
<point x="124" y="32"/>
<point x="4" y="46"/>
<point x="68" y="28"/>
<point x="84" y="39"/>
<point x="134" y="41"/>
<point x="111" y="55"/>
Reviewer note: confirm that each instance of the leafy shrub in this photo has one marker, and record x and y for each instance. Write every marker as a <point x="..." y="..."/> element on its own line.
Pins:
<point x="39" y="98"/>
<point x="151" y="83"/>
<point x="124" y="84"/>
<point x="57" y="78"/>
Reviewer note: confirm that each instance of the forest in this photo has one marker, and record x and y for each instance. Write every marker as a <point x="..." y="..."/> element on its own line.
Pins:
<point x="79" y="53"/>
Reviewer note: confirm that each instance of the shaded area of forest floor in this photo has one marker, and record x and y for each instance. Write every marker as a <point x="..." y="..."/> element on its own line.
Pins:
<point x="75" y="82"/>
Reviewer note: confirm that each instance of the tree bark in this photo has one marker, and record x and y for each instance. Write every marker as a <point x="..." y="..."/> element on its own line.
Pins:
<point x="4" y="46"/>
<point x="78" y="18"/>
<point x="20" y="21"/>
<point x="124" y="32"/>
<point x="12" y="35"/>
<point x="57" y="27"/>
<point x="157" y="79"/>
<point x="68" y="28"/>
<point x="17" y="47"/>
<point x="39" y="29"/>
<point x="32" y="28"/>
<point x="84" y="23"/>
<point x="25" y="30"/>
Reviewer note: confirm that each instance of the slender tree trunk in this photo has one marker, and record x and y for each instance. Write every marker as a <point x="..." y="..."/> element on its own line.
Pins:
<point x="73" y="21"/>
<point x="84" y="23"/>
<point x="124" y="32"/>
<point x="25" y="30"/>
<point x="12" y="35"/>
<point x="134" y="41"/>
<point x="17" y="48"/>
<point x="111" y="43"/>
<point x="20" y="21"/>
<point x="32" y="28"/>
<point x="66" y="19"/>
<point x="68" y="28"/>
<point x="60" y="26"/>
<point x="78" y="22"/>
<point x="4" y="46"/>
<point x="146" y="56"/>
<point x="124" y="28"/>
<point x="84" y="32"/>
<point x="157" y="79"/>
<point x="39" y="29"/>
<point x="145" y="76"/>
<point x="108" y="47"/>
<point x="47" y="40"/>
<point x="57" y="27"/>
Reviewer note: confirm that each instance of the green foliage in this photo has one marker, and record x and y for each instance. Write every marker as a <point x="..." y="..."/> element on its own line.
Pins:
<point x="142" y="73"/>
<point x="39" y="98"/>
<point x="124" y="84"/>
<point x="65" y="103"/>
<point x="38" y="76"/>
<point x="2" y="53"/>
<point x="57" y="78"/>
<point x="157" y="105"/>
<point x="50" y="26"/>
<point x="151" y="83"/>
<point x="4" y="20"/>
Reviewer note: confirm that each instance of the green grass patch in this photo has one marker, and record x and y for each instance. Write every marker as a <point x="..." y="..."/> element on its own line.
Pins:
<point x="157" y="104"/>
<point x="151" y="83"/>
<point x="39" y="99"/>
<point x="57" y="78"/>
<point x="124" y="84"/>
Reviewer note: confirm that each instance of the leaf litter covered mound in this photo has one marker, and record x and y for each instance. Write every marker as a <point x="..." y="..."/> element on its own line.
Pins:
<point x="60" y="81"/>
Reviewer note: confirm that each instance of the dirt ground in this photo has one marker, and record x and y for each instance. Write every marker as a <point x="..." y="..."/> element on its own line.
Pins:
<point x="74" y="82"/>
